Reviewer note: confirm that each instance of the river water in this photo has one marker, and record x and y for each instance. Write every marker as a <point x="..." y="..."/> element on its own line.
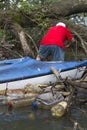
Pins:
<point x="24" y="118"/>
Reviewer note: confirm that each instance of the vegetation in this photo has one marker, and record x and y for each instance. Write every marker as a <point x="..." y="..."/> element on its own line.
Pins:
<point x="23" y="23"/>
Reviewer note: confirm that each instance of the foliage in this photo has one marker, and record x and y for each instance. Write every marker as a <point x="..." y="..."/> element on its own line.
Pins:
<point x="24" y="6"/>
<point x="36" y="16"/>
<point x="2" y="33"/>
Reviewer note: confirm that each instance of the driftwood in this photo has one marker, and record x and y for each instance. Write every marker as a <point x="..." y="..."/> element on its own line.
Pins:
<point x="77" y="84"/>
<point x="68" y="81"/>
<point x="57" y="74"/>
<point x="61" y="110"/>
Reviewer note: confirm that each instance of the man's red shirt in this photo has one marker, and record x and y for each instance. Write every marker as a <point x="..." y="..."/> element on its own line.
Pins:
<point x="56" y="36"/>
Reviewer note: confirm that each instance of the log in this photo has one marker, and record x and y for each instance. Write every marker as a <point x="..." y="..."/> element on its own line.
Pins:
<point x="24" y="43"/>
<point x="59" y="109"/>
<point x="57" y="74"/>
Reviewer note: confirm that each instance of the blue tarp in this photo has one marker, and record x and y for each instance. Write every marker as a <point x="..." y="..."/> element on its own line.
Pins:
<point x="27" y="68"/>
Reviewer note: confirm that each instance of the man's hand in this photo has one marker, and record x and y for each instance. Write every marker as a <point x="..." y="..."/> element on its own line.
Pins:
<point x="73" y="40"/>
<point x="67" y="46"/>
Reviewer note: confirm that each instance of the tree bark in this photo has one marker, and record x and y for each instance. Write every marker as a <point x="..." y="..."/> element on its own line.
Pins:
<point x="24" y="43"/>
<point x="65" y="8"/>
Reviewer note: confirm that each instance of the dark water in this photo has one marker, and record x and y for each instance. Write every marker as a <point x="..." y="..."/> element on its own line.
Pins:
<point x="27" y="119"/>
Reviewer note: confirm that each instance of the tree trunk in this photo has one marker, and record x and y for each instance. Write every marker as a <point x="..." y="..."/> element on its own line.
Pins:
<point x="65" y="8"/>
<point x="24" y="43"/>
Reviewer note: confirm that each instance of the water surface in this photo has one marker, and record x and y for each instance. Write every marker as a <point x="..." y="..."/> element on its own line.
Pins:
<point x="27" y="119"/>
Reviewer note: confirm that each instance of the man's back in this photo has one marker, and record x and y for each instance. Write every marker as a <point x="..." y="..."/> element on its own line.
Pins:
<point x="56" y="35"/>
<point x="53" y="43"/>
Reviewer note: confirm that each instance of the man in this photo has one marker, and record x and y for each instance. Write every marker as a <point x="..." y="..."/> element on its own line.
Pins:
<point x="53" y="43"/>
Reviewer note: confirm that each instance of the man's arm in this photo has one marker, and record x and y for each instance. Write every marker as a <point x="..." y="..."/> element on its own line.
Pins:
<point x="71" y="43"/>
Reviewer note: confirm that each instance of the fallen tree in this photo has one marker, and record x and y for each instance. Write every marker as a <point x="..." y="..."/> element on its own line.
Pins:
<point x="16" y="21"/>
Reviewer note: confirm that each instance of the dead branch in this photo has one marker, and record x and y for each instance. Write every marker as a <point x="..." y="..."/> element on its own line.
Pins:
<point x="32" y="42"/>
<point x="82" y="42"/>
<point x="77" y="84"/>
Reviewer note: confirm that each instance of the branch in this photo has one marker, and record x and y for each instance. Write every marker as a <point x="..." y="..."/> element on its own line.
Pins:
<point x="82" y="42"/>
<point x="32" y="42"/>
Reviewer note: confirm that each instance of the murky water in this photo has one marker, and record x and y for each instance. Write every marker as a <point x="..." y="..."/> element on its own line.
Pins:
<point x="27" y="119"/>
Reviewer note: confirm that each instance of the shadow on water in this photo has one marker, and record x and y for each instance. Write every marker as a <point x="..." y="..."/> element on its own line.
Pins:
<point x="27" y="119"/>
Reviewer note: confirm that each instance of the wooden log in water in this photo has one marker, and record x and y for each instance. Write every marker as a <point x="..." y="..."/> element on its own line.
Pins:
<point x="59" y="109"/>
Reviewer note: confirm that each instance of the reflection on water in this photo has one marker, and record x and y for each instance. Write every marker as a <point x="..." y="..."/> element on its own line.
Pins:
<point x="26" y="119"/>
